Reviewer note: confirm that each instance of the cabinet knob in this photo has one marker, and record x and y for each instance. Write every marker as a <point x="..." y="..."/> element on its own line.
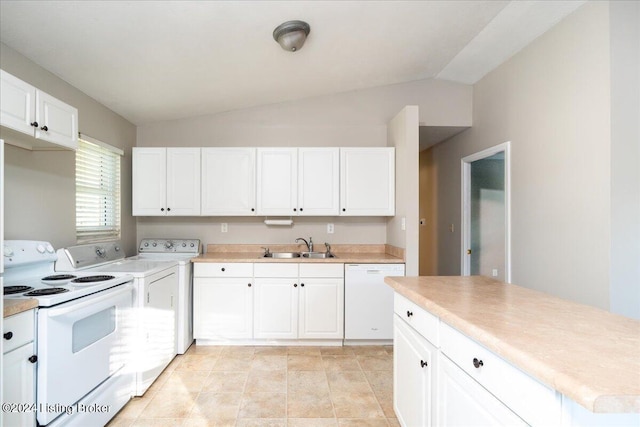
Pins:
<point x="423" y="364"/>
<point x="477" y="362"/>
<point x="294" y="209"/>
<point x="249" y="284"/>
<point x="8" y="335"/>
<point x="295" y="285"/>
<point x="168" y="209"/>
<point x="344" y="210"/>
<point x="302" y="285"/>
<point x="300" y="209"/>
<point x="253" y="210"/>
<point x="33" y="359"/>
<point x="44" y="128"/>
<point x="409" y="313"/>
<point x="162" y="209"/>
<point x="34" y="124"/>
<point x="222" y="269"/>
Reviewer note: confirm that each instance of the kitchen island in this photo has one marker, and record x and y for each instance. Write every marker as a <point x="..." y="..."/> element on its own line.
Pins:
<point x="585" y="354"/>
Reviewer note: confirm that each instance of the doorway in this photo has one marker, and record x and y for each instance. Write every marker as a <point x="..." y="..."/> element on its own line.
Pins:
<point x="486" y="199"/>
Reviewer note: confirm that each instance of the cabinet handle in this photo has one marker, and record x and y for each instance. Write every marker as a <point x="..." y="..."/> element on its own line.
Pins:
<point x="34" y="124"/>
<point x="33" y="359"/>
<point x="409" y="313"/>
<point x="222" y="269"/>
<point x="423" y="364"/>
<point x="8" y="335"/>
<point x="44" y="128"/>
<point x="477" y="362"/>
<point x="249" y="284"/>
<point x="295" y="285"/>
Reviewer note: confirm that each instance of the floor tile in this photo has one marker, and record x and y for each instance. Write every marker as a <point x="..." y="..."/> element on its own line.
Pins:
<point x="186" y="381"/>
<point x="263" y="405"/>
<point x="302" y="381"/>
<point x="159" y="422"/>
<point x="169" y="404"/>
<point x="266" y="381"/>
<point x="312" y="422"/>
<point x="262" y="422"/>
<point x="348" y="381"/>
<point x="271" y="351"/>
<point x="304" y="350"/>
<point x="225" y="381"/>
<point x="216" y="406"/>
<point x="201" y="422"/>
<point x="376" y="363"/>
<point x="230" y="363"/>
<point x="303" y="362"/>
<point x="362" y="422"/>
<point x="356" y="405"/>
<point x="262" y="362"/>
<point x="310" y="404"/>
<point x="340" y="363"/>
<point x="196" y="362"/>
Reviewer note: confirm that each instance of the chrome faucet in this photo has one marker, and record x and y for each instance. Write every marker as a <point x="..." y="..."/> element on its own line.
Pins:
<point x="309" y="243"/>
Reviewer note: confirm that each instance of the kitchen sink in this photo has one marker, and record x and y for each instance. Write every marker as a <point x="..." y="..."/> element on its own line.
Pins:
<point x="282" y="255"/>
<point x="318" y="255"/>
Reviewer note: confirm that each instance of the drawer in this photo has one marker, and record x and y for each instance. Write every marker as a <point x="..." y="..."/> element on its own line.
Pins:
<point x="219" y="269"/>
<point x="21" y="329"/>
<point x="536" y="403"/>
<point x="275" y="269"/>
<point x="321" y="270"/>
<point x="425" y="323"/>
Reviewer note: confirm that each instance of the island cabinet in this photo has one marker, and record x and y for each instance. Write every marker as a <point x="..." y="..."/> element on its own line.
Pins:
<point x="36" y="116"/>
<point x="222" y="301"/>
<point x="18" y="370"/>
<point x="442" y="377"/>
<point x="166" y="181"/>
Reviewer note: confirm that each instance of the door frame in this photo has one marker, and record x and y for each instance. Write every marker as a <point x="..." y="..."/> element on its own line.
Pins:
<point x="465" y="264"/>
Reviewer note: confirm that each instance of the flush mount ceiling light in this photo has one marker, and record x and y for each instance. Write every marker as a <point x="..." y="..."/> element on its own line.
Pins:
<point x="291" y="35"/>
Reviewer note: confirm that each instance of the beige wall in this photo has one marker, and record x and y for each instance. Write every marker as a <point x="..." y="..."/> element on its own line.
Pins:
<point x="551" y="100"/>
<point x="40" y="185"/>
<point x="344" y="120"/>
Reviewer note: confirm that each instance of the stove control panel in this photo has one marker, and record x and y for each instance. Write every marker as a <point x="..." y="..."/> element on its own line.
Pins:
<point x="24" y="252"/>
<point x="185" y="246"/>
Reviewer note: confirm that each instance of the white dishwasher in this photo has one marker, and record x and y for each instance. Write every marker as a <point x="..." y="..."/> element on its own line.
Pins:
<point x="368" y="302"/>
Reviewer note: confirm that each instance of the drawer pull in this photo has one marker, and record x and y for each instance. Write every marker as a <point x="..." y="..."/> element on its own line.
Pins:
<point x="423" y="364"/>
<point x="249" y="284"/>
<point x="8" y="335"/>
<point x="295" y="285"/>
<point x="409" y="313"/>
<point x="222" y="269"/>
<point x="477" y="362"/>
<point x="33" y="359"/>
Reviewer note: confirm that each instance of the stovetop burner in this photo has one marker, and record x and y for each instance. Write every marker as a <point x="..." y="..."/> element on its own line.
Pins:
<point x="18" y="289"/>
<point x="50" y="291"/>
<point x="59" y="277"/>
<point x="91" y="279"/>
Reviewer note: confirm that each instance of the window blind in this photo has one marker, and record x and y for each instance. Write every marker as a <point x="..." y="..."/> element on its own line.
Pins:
<point x="97" y="191"/>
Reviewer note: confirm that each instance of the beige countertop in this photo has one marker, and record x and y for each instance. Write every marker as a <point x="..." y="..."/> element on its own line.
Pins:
<point x="345" y="254"/>
<point x="15" y="306"/>
<point x="588" y="354"/>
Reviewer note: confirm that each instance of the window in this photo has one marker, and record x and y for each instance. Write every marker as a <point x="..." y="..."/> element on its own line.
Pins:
<point x="97" y="191"/>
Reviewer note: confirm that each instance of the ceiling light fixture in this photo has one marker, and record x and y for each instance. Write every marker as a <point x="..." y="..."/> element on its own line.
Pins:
<point x="291" y="35"/>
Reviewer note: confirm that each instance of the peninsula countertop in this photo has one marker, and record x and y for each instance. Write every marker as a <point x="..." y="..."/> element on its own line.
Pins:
<point x="585" y="353"/>
<point x="344" y="254"/>
<point x="18" y="305"/>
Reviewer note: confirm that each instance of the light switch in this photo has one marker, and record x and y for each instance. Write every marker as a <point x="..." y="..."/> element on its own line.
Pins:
<point x="451" y="228"/>
<point x="403" y="223"/>
<point x="224" y="227"/>
<point x="330" y="228"/>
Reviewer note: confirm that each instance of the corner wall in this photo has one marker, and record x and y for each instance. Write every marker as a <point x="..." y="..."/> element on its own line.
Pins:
<point x="552" y="101"/>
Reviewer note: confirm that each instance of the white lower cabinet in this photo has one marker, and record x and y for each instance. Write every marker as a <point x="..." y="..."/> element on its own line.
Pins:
<point x="18" y="370"/>
<point x="464" y="402"/>
<point x="276" y="308"/>
<point x="414" y="367"/>
<point x="222" y="301"/>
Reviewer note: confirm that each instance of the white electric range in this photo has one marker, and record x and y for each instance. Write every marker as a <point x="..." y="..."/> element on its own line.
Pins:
<point x="155" y="297"/>
<point x="82" y="324"/>
<point x="181" y="251"/>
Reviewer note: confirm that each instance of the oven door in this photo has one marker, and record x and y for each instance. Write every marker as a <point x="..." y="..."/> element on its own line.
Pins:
<point x="80" y="344"/>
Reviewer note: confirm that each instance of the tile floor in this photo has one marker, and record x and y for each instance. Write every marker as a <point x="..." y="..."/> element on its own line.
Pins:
<point x="269" y="386"/>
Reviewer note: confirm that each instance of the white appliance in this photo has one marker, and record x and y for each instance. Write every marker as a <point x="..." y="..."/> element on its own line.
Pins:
<point x="154" y="302"/>
<point x="181" y="251"/>
<point x="368" y="301"/>
<point x="82" y="334"/>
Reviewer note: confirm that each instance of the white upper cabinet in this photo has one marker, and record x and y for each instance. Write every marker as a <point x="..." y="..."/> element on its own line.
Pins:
<point x="298" y="181"/>
<point x="277" y="181"/>
<point x="367" y="181"/>
<point x="318" y="181"/>
<point x="229" y="181"/>
<point x="166" y="181"/>
<point x="31" y="112"/>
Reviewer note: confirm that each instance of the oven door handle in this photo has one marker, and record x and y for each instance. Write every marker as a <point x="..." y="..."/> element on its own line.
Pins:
<point x="91" y="303"/>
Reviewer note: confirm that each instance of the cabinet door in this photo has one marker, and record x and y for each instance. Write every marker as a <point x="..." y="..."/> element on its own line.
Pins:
<point x="463" y="402"/>
<point x="277" y="181"/>
<point x="318" y="181"/>
<point x="321" y="313"/>
<point x="183" y="181"/>
<point x="228" y="181"/>
<point x="367" y="181"/>
<point x="414" y="364"/>
<point x="222" y="308"/>
<point x="276" y="308"/>
<point x="57" y="121"/>
<point x="18" y="386"/>
<point x="149" y="181"/>
<point x="17" y="104"/>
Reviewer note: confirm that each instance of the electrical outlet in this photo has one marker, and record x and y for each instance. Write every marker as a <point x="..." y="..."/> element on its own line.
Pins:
<point x="494" y="272"/>
<point x="330" y="228"/>
<point x="224" y="227"/>
<point x="451" y="228"/>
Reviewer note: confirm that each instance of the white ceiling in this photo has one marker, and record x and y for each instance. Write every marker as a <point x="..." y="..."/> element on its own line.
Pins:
<point x="160" y="60"/>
